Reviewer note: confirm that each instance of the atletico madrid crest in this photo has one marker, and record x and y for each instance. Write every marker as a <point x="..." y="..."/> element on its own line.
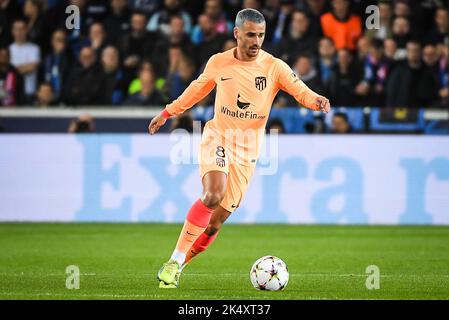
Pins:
<point x="261" y="83"/>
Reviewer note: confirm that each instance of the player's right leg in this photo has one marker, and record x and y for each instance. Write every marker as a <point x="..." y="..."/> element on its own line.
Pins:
<point x="214" y="168"/>
<point x="197" y="220"/>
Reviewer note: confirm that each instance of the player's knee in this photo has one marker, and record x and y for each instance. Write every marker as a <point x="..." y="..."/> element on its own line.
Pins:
<point x="212" y="198"/>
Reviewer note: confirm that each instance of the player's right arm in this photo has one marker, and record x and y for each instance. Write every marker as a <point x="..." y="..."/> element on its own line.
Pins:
<point x="195" y="92"/>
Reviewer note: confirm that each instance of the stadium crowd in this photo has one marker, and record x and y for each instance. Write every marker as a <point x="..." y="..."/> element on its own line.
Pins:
<point x="146" y="52"/>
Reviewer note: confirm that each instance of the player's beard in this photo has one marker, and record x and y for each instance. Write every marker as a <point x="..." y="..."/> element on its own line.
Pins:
<point x="253" y="51"/>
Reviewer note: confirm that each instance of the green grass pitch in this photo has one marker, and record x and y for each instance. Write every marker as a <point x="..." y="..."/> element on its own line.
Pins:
<point x="120" y="261"/>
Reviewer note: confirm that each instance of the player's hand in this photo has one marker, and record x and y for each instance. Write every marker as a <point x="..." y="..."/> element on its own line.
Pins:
<point x="323" y="103"/>
<point x="157" y="122"/>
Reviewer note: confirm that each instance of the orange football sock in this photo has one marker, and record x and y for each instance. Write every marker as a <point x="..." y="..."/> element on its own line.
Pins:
<point x="201" y="244"/>
<point x="196" y="222"/>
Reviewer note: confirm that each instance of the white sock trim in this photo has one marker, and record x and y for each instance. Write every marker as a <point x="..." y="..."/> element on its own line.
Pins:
<point x="179" y="257"/>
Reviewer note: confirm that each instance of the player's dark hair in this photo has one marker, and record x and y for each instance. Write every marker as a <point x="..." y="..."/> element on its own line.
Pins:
<point x="248" y="15"/>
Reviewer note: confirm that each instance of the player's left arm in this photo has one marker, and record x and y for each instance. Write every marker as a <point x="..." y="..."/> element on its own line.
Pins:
<point x="289" y="82"/>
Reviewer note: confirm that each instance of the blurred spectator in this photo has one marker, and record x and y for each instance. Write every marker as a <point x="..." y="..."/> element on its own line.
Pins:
<point x="305" y="70"/>
<point x="33" y="11"/>
<point x="25" y="56"/>
<point x="343" y="80"/>
<point x="229" y="44"/>
<point x="148" y="94"/>
<point x="340" y="124"/>
<point x="405" y="87"/>
<point x="391" y="49"/>
<point x="179" y="38"/>
<point x="363" y="44"/>
<point x="385" y="22"/>
<point x="282" y="20"/>
<point x="401" y="35"/>
<point x="434" y="76"/>
<point x="136" y="85"/>
<point x="275" y="126"/>
<point x="315" y="9"/>
<point x="376" y="68"/>
<point x="402" y="9"/>
<point x="85" y="81"/>
<point x="179" y="79"/>
<point x="160" y="21"/>
<point x="44" y="96"/>
<point x="10" y="11"/>
<point x="214" y="11"/>
<point x="270" y="11"/>
<point x="299" y="40"/>
<point x="116" y="23"/>
<point x="212" y="42"/>
<point x="113" y="77"/>
<point x="97" y="38"/>
<point x="57" y="63"/>
<point x="183" y="121"/>
<point x="146" y="6"/>
<point x="138" y="43"/>
<point x="443" y="72"/>
<point x="11" y="84"/>
<point x="251" y="4"/>
<point x="341" y="26"/>
<point x="175" y="55"/>
<point x="440" y="33"/>
<point x="83" y="124"/>
<point x="430" y="56"/>
<point x="326" y="59"/>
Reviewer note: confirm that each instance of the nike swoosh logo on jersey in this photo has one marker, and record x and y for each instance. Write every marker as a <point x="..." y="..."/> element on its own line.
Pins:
<point x="224" y="79"/>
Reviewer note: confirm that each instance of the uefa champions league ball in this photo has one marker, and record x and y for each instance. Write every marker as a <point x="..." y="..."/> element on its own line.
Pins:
<point x="269" y="273"/>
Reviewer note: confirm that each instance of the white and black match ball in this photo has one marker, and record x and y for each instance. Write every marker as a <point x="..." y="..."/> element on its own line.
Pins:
<point x="269" y="273"/>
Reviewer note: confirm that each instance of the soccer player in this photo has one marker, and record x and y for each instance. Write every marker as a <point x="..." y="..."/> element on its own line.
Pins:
<point x="246" y="79"/>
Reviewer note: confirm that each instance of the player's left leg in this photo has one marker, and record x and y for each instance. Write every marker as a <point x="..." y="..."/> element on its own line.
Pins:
<point x="219" y="216"/>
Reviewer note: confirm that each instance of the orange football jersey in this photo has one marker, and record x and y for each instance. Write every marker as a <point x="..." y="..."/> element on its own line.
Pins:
<point x="245" y="91"/>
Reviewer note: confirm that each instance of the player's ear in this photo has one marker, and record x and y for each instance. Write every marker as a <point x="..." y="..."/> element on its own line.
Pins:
<point x="236" y="32"/>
